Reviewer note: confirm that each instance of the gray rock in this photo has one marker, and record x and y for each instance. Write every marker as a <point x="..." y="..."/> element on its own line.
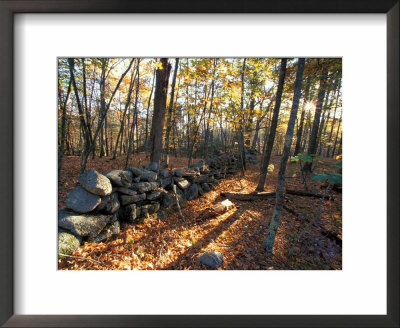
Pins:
<point x="178" y="172"/>
<point x="125" y="191"/>
<point x="200" y="190"/>
<point x="81" y="201"/>
<point x="182" y="183"/>
<point x="128" y="213"/>
<point x="67" y="243"/>
<point x="110" y="230"/>
<point x="143" y="187"/>
<point x="164" y="182"/>
<point x="203" y="179"/>
<point x="211" y="259"/>
<point x="155" y="194"/>
<point x="167" y="200"/>
<point x="164" y="173"/>
<point x="149" y="177"/>
<point x="150" y="208"/>
<point x="192" y="192"/>
<point x="95" y="183"/>
<point x="206" y="187"/>
<point x="136" y="180"/>
<point x="109" y="204"/>
<point x="153" y="166"/>
<point x="161" y="215"/>
<point x="137" y="171"/>
<point x="126" y="199"/>
<point x="120" y="178"/>
<point x="83" y="225"/>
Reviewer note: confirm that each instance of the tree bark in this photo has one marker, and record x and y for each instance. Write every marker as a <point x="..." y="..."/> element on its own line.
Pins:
<point x="271" y="137"/>
<point x="146" y="142"/>
<point x="312" y="145"/>
<point x="63" y="119"/>
<point x="298" y="149"/>
<point x="268" y="243"/>
<point x="160" y="100"/>
<point x="169" y="115"/>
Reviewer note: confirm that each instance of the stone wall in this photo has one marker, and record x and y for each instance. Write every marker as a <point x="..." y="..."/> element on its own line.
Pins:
<point x="95" y="207"/>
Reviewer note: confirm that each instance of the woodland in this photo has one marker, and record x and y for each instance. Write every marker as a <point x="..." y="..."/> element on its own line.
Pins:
<point x="276" y="121"/>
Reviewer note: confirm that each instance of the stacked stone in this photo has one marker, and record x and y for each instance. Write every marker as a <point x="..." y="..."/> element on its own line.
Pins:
<point x="95" y="207"/>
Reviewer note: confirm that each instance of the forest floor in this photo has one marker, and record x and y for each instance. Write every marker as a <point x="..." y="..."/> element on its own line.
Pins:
<point x="238" y="234"/>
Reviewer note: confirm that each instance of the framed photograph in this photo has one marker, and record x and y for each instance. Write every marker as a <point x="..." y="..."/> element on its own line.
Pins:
<point x="214" y="164"/>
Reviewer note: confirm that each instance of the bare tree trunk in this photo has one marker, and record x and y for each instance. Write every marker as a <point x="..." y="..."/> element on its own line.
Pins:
<point x="298" y="148"/>
<point x="127" y="103"/>
<point x="63" y="119"/>
<point x="102" y="116"/>
<point x="146" y="142"/>
<point x="169" y="115"/>
<point x="240" y="132"/>
<point x="268" y="243"/>
<point x="271" y="137"/>
<point x="160" y="100"/>
<point x="312" y="146"/>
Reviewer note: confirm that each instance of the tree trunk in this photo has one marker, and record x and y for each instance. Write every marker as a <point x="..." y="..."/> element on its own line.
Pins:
<point x="160" y="100"/>
<point x="268" y="243"/>
<point x="62" y="138"/>
<point x="298" y="149"/>
<point x="240" y="132"/>
<point x="271" y="137"/>
<point x="312" y="145"/>
<point x="169" y="116"/>
<point x="102" y="116"/>
<point x="127" y="103"/>
<point x="146" y="142"/>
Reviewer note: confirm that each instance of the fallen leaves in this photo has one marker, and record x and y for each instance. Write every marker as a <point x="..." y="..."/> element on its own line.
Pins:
<point x="169" y="245"/>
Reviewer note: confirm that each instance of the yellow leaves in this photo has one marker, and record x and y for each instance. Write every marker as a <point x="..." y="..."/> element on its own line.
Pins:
<point x="158" y="65"/>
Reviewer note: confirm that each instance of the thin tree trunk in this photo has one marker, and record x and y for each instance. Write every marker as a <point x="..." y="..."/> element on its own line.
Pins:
<point x="146" y="142"/>
<point x="63" y="119"/>
<point x="102" y="116"/>
<point x="298" y="149"/>
<point x="268" y="243"/>
<point x="312" y="146"/>
<point x="271" y="137"/>
<point x="169" y="115"/>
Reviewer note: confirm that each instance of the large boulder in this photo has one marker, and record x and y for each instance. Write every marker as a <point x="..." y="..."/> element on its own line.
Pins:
<point x="206" y="187"/>
<point x="110" y="230"/>
<point x="83" y="225"/>
<point x="155" y="194"/>
<point x="150" y="208"/>
<point x="211" y="259"/>
<point x="164" y="182"/>
<point x="120" y="178"/>
<point x="95" y="183"/>
<point x="182" y="183"/>
<point x="126" y="199"/>
<point x="67" y="243"/>
<point x="128" y="213"/>
<point x="192" y="192"/>
<point x="149" y="176"/>
<point x="167" y="200"/>
<point x="137" y="171"/>
<point x="81" y="201"/>
<point x="143" y="187"/>
<point x="109" y="204"/>
<point x="153" y="166"/>
<point x="164" y="173"/>
<point x="125" y="191"/>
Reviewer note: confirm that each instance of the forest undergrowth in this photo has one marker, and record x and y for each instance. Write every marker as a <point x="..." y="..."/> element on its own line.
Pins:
<point x="170" y="244"/>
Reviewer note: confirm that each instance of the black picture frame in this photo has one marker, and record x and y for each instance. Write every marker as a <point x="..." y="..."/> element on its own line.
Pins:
<point x="7" y="10"/>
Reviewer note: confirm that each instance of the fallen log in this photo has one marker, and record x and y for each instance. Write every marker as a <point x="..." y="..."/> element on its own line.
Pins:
<point x="249" y="197"/>
<point x="306" y="194"/>
<point x="268" y="195"/>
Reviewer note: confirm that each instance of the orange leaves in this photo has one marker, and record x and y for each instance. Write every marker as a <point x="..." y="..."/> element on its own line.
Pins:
<point x="169" y="245"/>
